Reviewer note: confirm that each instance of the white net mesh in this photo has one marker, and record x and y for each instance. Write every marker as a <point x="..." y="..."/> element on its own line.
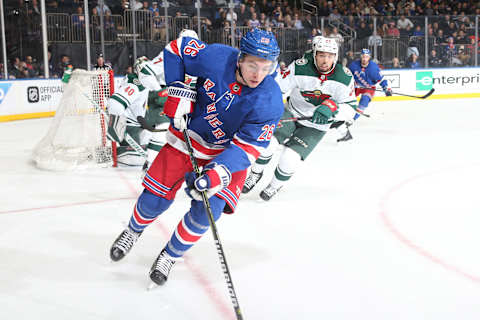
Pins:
<point x="77" y="136"/>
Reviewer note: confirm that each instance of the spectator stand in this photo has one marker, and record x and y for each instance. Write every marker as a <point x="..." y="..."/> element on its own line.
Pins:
<point x="388" y="29"/>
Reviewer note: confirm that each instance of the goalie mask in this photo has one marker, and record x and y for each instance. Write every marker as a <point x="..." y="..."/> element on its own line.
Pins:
<point x="323" y="44"/>
<point x="146" y="74"/>
<point x="139" y="64"/>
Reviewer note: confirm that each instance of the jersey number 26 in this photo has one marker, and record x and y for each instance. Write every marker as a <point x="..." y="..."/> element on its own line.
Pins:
<point x="267" y="133"/>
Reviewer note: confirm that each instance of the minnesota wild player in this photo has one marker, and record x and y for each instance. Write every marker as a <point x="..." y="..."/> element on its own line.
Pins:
<point x="316" y="87"/>
<point x="127" y="110"/>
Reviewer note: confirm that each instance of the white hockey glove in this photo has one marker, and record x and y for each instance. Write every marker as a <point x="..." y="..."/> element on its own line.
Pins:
<point x="179" y="103"/>
<point x="117" y="125"/>
<point x="214" y="178"/>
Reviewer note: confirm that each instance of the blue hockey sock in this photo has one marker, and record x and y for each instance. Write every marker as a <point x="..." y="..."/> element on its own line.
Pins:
<point x="193" y="225"/>
<point x="147" y="209"/>
<point x="363" y="104"/>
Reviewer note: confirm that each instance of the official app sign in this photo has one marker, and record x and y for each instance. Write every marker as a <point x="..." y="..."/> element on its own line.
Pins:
<point x="4" y="87"/>
<point x="33" y="94"/>
<point x="46" y="93"/>
<point x="424" y="80"/>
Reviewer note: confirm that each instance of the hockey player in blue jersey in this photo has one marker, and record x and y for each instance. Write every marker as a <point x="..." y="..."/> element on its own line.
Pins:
<point x="366" y="74"/>
<point x="230" y="119"/>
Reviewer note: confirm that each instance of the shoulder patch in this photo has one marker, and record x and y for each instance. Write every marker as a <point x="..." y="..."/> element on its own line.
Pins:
<point x="136" y="82"/>
<point x="301" y="62"/>
<point x="347" y="71"/>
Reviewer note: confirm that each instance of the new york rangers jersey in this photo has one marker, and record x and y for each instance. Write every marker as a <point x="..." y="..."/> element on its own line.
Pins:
<point x="307" y="89"/>
<point x="230" y="122"/>
<point x="367" y="77"/>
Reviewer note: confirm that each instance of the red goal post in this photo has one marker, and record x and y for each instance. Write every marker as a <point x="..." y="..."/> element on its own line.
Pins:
<point x="77" y="137"/>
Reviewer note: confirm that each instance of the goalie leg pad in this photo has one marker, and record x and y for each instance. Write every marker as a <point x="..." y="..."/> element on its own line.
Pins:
<point x="147" y="209"/>
<point x="117" y="125"/>
<point x="193" y="225"/>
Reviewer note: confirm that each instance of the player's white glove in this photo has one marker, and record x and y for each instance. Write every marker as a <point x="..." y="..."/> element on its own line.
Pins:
<point x="117" y="125"/>
<point x="179" y="103"/>
<point x="214" y="178"/>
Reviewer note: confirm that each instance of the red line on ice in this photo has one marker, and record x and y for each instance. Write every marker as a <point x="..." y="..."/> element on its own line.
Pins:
<point x="409" y="243"/>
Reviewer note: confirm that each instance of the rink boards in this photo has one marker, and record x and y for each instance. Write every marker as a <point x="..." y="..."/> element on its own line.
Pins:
<point x="26" y="99"/>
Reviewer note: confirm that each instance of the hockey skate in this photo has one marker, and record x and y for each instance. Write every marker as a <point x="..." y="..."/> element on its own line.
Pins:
<point x="122" y="245"/>
<point x="346" y="137"/>
<point x="251" y="181"/>
<point x="145" y="168"/>
<point x="269" y="192"/>
<point x="161" y="268"/>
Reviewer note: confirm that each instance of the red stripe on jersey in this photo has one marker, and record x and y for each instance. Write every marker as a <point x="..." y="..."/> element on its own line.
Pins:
<point x="247" y="148"/>
<point x="139" y="218"/>
<point x="196" y="145"/>
<point x="214" y="178"/>
<point x="174" y="47"/>
<point x="185" y="234"/>
<point x="226" y="193"/>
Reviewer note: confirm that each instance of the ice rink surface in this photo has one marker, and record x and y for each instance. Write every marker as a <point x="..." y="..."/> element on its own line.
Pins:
<point x="384" y="227"/>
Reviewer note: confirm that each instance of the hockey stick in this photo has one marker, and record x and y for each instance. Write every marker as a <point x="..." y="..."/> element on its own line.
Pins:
<point x="425" y="96"/>
<point x="156" y="130"/>
<point x="310" y="118"/>
<point x="293" y="119"/>
<point x="135" y="145"/>
<point x="218" y="244"/>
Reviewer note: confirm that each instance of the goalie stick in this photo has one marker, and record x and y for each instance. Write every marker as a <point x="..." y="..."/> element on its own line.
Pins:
<point x="138" y="148"/>
<point x="218" y="244"/>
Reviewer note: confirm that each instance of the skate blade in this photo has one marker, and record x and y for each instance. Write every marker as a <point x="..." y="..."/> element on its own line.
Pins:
<point x="152" y="286"/>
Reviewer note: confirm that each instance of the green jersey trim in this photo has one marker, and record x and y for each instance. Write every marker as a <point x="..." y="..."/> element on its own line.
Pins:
<point x="133" y="78"/>
<point x="121" y="99"/>
<point x="306" y="67"/>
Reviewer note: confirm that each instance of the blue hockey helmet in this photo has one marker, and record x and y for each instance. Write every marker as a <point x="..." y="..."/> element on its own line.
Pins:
<point x="365" y="51"/>
<point x="260" y="43"/>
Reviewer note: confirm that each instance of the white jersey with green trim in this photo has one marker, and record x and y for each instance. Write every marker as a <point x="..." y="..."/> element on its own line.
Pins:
<point x="153" y="74"/>
<point x="306" y="89"/>
<point x="156" y="67"/>
<point x="129" y="99"/>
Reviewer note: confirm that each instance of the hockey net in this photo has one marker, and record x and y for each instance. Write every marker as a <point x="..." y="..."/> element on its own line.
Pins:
<point x="77" y="137"/>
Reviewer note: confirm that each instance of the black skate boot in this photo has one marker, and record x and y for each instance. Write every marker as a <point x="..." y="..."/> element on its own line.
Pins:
<point x="346" y="137"/>
<point x="122" y="245"/>
<point x="269" y="192"/>
<point x="145" y="168"/>
<point x="251" y="181"/>
<point x="161" y="268"/>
